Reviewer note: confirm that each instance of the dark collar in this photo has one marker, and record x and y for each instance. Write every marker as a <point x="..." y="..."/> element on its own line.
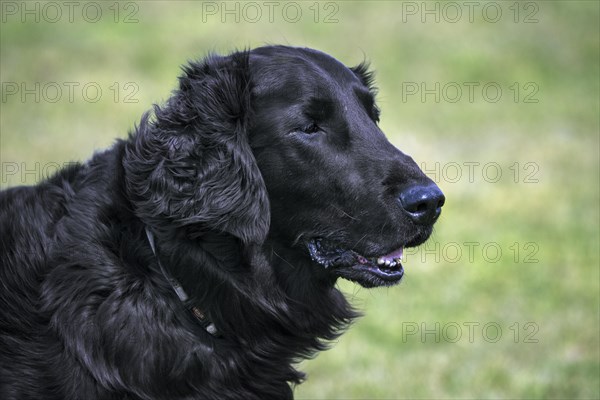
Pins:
<point x="198" y="313"/>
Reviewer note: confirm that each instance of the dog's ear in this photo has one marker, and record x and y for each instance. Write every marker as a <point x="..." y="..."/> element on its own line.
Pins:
<point x="365" y="75"/>
<point x="193" y="165"/>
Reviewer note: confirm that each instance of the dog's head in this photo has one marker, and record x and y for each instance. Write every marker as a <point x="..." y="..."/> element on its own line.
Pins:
<point x="284" y="143"/>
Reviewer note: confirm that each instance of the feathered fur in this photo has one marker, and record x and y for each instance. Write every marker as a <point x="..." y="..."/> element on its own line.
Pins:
<point x="85" y="311"/>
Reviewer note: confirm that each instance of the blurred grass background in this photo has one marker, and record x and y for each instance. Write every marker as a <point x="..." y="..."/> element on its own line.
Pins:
<point x="518" y="252"/>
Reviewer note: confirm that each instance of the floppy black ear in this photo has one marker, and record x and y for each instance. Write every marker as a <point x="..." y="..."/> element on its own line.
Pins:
<point x="192" y="165"/>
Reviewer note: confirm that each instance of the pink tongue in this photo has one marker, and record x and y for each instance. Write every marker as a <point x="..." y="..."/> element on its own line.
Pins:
<point x="394" y="254"/>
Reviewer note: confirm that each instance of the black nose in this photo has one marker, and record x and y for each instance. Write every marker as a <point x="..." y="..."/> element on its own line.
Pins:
<point x="423" y="204"/>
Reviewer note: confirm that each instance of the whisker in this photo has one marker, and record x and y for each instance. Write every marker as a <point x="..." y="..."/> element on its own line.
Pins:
<point x="359" y="240"/>
<point x="284" y="260"/>
<point x="344" y="212"/>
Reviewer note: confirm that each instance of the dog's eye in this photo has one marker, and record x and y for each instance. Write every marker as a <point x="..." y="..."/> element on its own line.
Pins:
<point x="310" y="128"/>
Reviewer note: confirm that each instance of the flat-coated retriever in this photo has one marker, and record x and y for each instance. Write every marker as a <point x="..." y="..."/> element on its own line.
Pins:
<point x="197" y="259"/>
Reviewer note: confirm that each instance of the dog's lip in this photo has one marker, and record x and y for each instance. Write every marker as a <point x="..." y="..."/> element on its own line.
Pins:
<point x="389" y="275"/>
<point x="352" y="265"/>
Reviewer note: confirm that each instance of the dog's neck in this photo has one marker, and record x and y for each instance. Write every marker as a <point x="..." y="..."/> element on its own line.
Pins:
<point x="199" y="314"/>
<point x="230" y="282"/>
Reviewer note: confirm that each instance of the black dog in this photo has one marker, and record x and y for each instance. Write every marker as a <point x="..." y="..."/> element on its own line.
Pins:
<point x="197" y="259"/>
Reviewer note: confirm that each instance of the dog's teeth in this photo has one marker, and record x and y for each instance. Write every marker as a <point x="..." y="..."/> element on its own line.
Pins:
<point x="380" y="261"/>
<point x="393" y="264"/>
<point x="388" y="263"/>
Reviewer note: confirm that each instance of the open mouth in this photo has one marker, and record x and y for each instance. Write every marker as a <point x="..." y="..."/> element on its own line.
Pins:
<point x="383" y="270"/>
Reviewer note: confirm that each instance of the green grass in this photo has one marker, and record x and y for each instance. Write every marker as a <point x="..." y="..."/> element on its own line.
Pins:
<point x="551" y="212"/>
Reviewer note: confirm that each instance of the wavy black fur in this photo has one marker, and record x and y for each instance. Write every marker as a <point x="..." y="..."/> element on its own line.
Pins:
<point x="85" y="312"/>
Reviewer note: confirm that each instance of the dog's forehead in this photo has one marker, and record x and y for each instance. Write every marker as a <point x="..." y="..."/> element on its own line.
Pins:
<point x="291" y="70"/>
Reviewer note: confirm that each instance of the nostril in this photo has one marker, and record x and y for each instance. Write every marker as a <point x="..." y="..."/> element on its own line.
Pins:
<point x="423" y="204"/>
<point x="441" y="200"/>
<point x="421" y="207"/>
